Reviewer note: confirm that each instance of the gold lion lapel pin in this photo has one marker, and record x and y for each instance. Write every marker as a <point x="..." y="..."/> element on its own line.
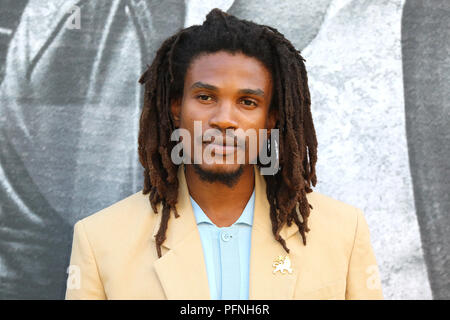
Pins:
<point x="282" y="264"/>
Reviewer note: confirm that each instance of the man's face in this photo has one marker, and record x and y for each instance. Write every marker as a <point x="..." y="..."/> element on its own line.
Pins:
<point x="225" y="91"/>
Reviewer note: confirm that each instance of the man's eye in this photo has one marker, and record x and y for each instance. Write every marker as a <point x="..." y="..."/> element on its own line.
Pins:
<point x="248" y="102"/>
<point x="204" y="97"/>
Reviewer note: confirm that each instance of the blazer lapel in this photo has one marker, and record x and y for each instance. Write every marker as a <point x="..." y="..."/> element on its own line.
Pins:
<point x="181" y="269"/>
<point x="264" y="284"/>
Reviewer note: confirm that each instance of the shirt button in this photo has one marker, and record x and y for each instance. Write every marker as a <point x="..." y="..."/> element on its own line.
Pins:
<point x="226" y="236"/>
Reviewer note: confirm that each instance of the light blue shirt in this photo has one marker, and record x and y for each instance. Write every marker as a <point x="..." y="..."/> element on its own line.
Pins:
<point x="227" y="253"/>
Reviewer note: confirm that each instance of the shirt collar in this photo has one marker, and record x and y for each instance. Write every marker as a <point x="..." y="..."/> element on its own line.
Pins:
<point x="245" y="218"/>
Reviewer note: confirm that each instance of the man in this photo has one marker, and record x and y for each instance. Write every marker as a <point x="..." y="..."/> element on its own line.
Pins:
<point x="240" y="230"/>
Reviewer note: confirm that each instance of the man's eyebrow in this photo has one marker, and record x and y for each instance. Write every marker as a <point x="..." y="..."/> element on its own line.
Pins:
<point x="202" y="85"/>
<point x="257" y="92"/>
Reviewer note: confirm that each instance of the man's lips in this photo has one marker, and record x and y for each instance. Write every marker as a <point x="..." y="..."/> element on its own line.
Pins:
<point x="221" y="148"/>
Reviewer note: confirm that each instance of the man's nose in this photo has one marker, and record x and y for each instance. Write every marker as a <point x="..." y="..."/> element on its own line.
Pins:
<point x="224" y="117"/>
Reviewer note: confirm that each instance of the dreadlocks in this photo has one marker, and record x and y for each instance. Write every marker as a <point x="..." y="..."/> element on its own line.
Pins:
<point x="286" y="190"/>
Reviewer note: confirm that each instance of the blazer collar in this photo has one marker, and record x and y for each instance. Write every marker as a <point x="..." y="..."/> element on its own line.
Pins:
<point x="182" y="270"/>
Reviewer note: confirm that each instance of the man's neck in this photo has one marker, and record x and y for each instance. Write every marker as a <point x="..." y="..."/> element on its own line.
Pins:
<point x="223" y="205"/>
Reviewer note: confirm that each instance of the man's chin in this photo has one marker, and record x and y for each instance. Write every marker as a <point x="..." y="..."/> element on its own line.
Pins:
<point x="227" y="174"/>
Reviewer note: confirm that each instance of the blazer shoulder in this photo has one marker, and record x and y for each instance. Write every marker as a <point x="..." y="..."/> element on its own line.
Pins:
<point x="331" y="207"/>
<point x="128" y="213"/>
<point x="332" y="215"/>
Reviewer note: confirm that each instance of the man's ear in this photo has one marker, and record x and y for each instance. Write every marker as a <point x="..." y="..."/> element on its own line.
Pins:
<point x="175" y="109"/>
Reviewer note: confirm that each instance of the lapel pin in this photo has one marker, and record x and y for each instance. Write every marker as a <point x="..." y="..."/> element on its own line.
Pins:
<point x="282" y="264"/>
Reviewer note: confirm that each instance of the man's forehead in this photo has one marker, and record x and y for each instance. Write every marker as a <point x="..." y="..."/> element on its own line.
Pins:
<point x="223" y="69"/>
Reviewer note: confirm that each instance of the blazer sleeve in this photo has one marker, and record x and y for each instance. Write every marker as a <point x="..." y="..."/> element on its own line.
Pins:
<point x="363" y="278"/>
<point x="84" y="281"/>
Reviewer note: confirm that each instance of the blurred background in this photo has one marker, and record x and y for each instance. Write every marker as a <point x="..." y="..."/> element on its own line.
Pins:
<point x="379" y="76"/>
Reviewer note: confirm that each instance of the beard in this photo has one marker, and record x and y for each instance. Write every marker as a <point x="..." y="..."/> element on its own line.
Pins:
<point x="227" y="178"/>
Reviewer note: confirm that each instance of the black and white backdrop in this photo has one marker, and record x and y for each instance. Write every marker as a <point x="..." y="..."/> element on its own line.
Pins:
<point x="379" y="75"/>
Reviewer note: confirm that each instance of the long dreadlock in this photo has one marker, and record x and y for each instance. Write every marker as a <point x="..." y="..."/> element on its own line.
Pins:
<point x="286" y="190"/>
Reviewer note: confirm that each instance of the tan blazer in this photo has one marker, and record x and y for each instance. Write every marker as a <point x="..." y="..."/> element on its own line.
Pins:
<point x="114" y="253"/>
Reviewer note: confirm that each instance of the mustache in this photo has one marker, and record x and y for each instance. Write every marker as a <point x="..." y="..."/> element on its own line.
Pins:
<point x="226" y="140"/>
